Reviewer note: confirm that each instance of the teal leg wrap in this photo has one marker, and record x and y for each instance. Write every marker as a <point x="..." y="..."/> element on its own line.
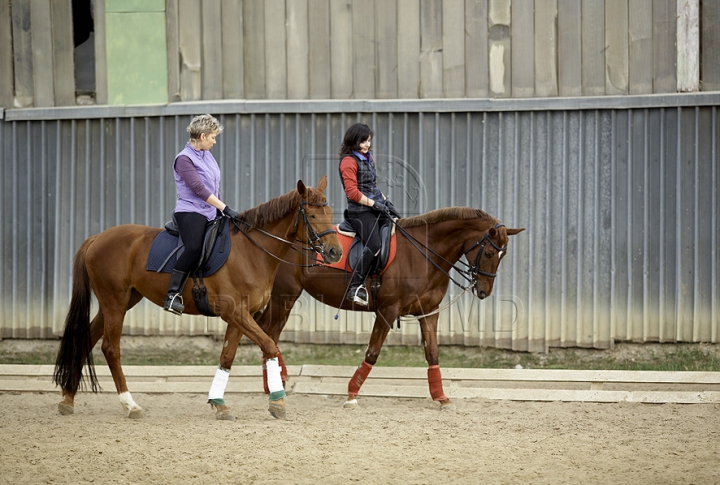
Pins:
<point x="274" y="396"/>
<point x="217" y="402"/>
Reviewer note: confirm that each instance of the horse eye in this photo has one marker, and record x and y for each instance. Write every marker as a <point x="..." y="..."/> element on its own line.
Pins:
<point x="488" y="254"/>
<point x="312" y="216"/>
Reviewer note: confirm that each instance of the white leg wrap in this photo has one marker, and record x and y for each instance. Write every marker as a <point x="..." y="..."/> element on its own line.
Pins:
<point x="219" y="383"/>
<point x="127" y="402"/>
<point x="275" y="386"/>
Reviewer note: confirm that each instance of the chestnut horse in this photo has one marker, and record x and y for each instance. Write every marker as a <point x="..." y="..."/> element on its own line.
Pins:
<point x="415" y="283"/>
<point x="112" y="265"/>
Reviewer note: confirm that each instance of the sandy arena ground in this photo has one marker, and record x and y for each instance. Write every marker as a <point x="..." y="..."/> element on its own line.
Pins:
<point x="384" y="441"/>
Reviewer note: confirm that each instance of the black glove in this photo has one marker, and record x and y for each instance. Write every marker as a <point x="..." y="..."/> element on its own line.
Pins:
<point x="230" y="213"/>
<point x="391" y="209"/>
<point x="379" y="206"/>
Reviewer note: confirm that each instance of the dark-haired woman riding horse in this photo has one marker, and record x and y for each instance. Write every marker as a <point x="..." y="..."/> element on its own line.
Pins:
<point x="414" y="284"/>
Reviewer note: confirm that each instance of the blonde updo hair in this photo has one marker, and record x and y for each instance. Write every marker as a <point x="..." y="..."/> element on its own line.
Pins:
<point x="203" y="124"/>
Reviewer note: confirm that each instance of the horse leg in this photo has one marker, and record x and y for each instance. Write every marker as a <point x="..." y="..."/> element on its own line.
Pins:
<point x="380" y="331"/>
<point x="216" y="396"/>
<point x="428" y="326"/>
<point x="242" y="320"/>
<point x="114" y="318"/>
<point x="67" y="405"/>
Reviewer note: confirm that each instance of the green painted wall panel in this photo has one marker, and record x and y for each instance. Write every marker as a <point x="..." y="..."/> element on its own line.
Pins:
<point x="136" y="58"/>
<point x="134" y="6"/>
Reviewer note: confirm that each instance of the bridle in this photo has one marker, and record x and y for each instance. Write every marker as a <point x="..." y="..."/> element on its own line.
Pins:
<point x="475" y="270"/>
<point x="313" y="237"/>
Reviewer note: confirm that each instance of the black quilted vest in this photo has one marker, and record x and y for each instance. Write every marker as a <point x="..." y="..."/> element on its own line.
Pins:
<point x="366" y="181"/>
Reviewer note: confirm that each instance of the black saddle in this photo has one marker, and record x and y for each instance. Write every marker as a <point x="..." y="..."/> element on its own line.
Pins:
<point x="356" y="247"/>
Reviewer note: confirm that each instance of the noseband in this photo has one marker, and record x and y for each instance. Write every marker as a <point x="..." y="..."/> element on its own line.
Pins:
<point x="475" y="268"/>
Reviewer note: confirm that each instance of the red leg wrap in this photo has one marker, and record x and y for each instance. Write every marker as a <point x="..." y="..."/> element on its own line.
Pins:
<point x="265" y="384"/>
<point x="435" y="381"/>
<point x="358" y="378"/>
<point x="283" y="369"/>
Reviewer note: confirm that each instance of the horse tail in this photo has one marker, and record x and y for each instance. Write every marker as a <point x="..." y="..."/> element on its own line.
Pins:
<point x="75" y="346"/>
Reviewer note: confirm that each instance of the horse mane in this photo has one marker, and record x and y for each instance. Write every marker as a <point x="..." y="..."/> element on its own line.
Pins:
<point x="441" y="215"/>
<point x="275" y="209"/>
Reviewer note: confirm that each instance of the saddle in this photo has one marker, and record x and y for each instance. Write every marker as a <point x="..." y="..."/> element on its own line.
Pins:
<point x="168" y="246"/>
<point x="353" y="246"/>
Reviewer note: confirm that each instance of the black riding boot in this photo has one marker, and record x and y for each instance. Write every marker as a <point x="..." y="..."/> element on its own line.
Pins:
<point x="174" y="300"/>
<point x="357" y="293"/>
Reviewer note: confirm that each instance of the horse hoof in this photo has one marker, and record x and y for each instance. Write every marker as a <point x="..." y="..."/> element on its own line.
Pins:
<point x="277" y="409"/>
<point x="65" y="410"/>
<point x="447" y="406"/>
<point x="350" y="404"/>
<point x="136" y="414"/>
<point x="224" y="416"/>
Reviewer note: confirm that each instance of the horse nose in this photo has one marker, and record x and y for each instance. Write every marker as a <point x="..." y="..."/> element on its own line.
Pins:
<point x="334" y="255"/>
<point x="482" y="295"/>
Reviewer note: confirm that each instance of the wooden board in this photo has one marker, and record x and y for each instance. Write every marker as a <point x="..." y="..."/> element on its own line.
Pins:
<point x="341" y="49"/>
<point x="499" y="48"/>
<point x="275" y="50"/>
<point x="42" y="53"/>
<point x="363" y="40"/>
<point x="546" y="79"/>
<point x="319" y="49"/>
<point x="254" y="49"/>
<point x="616" y="50"/>
<point x="297" y="49"/>
<point x="453" y="48"/>
<point x="190" y="50"/>
<point x="664" y="46"/>
<point x="640" y="46"/>
<point x="408" y="31"/>
<point x="523" y="49"/>
<point x="710" y="42"/>
<point x="63" y="46"/>
<point x="593" y="47"/>
<point x="101" y="87"/>
<point x="476" y="49"/>
<point x="211" y="46"/>
<point x="386" y="48"/>
<point x="431" y="78"/>
<point x="688" y="46"/>
<point x="6" y="57"/>
<point x="569" y="48"/>
<point x="233" y="69"/>
<point x="173" y="50"/>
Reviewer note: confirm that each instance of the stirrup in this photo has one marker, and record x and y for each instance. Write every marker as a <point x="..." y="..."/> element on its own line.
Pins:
<point x="174" y="304"/>
<point x="358" y="295"/>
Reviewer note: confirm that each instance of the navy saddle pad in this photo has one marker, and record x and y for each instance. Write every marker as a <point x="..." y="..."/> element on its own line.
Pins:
<point x="165" y="243"/>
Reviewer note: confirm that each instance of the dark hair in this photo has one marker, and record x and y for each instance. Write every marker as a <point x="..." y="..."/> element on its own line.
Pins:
<point x="354" y="136"/>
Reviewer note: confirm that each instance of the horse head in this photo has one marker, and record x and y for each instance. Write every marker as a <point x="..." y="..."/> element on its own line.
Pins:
<point x="485" y="255"/>
<point x="315" y="222"/>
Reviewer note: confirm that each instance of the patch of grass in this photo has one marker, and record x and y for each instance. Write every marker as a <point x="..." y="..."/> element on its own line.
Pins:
<point x="195" y="351"/>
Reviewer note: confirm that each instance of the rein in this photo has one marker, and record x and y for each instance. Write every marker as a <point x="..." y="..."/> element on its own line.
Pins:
<point x="314" y="238"/>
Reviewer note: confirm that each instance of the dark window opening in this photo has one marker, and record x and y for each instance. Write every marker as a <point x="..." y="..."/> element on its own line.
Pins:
<point x="84" y="36"/>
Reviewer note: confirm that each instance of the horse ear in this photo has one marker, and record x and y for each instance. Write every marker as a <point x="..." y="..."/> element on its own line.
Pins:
<point x="322" y="185"/>
<point x="301" y="188"/>
<point x="512" y="232"/>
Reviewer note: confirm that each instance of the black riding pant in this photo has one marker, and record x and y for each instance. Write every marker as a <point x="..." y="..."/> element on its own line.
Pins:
<point x="367" y="225"/>
<point x="192" y="231"/>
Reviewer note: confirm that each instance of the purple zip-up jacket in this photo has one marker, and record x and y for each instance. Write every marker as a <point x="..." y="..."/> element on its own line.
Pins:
<point x="209" y="172"/>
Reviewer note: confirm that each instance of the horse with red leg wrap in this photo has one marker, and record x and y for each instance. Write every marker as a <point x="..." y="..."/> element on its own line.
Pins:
<point x="112" y="265"/>
<point x="415" y="283"/>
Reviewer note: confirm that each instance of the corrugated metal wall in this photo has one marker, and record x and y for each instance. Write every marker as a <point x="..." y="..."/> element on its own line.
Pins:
<point x="620" y="205"/>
